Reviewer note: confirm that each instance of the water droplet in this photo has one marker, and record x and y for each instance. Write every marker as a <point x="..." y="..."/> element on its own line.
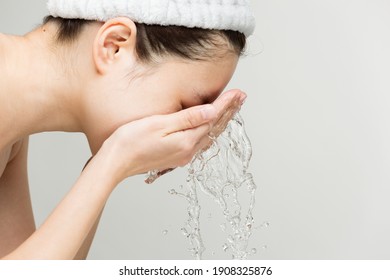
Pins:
<point x="172" y="192"/>
<point x="184" y="232"/>
<point x="249" y="226"/>
<point x="265" y="225"/>
<point x="200" y="178"/>
<point x="165" y="232"/>
<point x="193" y="251"/>
<point x="212" y="136"/>
<point x="253" y="251"/>
<point x="225" y="247"/>
<point x="235" y="221"/>
<point x="238" y="236"/>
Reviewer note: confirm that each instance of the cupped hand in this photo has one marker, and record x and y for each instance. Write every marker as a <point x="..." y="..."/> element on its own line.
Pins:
<point x="227" y="105"/>
<point x="164" y="142"/>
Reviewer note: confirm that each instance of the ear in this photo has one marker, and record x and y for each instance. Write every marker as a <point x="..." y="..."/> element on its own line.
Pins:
<point x="115" y="43"/>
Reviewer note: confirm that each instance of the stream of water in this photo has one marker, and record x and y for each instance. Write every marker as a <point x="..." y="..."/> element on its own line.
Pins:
<point x="221" y="172"/>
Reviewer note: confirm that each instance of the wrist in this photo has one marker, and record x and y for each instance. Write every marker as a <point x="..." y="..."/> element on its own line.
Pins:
<point x="109" y="159"/>
<point x="102" y="169"/>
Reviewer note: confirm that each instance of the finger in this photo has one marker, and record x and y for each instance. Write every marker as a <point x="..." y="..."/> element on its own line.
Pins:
<point x="188" y="142"/>
<point x="151" y="179"/>
<point x="204" y="144"/>
<point x="229" y="101"/>
<point x="227" y="107"/>
<point x="230" y="96"/>
<point x="223" y="121"/>
<point x="193" y="135"/>
<point x="190" y="118"/>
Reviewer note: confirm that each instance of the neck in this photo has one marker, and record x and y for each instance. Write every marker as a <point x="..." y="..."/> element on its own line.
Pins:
<point x="37" y="94"/>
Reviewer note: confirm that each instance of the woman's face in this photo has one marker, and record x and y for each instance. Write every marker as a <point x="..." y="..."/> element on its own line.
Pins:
<point x="122" y="97"/>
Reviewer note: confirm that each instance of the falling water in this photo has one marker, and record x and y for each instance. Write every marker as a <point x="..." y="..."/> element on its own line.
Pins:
<point x="221" y="173"/>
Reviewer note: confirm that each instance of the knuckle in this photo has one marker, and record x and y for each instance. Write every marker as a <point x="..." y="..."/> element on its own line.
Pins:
<point x="190" y="119"/>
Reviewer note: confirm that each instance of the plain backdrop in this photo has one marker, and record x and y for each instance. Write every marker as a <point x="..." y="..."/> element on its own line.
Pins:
<point x="317" y="76"/>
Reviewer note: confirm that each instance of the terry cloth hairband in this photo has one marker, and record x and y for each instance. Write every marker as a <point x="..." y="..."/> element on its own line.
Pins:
<point x="207" y="14"/>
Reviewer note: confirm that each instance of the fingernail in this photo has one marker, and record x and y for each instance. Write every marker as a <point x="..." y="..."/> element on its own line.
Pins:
<point x="208" y="112"/>
<point x="243" y="98"/>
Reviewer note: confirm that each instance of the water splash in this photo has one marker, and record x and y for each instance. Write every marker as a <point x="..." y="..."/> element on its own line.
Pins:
<point x="221" y="173"/>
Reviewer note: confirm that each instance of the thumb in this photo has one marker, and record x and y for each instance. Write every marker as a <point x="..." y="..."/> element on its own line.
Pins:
<point x="191" y="118"/>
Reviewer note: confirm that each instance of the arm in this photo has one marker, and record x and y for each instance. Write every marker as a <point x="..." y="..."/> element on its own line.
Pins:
<point x="82" y="254"/>
<point x="65" y="230"/>
<point x="16" y="213"/>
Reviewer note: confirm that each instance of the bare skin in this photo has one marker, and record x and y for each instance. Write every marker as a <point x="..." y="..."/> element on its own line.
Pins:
<point x="132" y="127"/>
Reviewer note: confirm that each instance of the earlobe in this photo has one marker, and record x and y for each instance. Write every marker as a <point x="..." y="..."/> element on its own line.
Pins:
<point x="115" y="39"/>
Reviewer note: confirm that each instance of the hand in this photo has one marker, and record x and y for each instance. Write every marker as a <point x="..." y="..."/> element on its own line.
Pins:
<point x="227" y="106"/>
<point x="164" y="142"/>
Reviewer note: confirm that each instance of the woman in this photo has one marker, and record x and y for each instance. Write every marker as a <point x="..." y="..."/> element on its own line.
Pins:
<point x="136" y="90"/>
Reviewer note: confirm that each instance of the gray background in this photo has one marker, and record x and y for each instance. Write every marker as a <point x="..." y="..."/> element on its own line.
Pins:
<point x="317" y="76"/>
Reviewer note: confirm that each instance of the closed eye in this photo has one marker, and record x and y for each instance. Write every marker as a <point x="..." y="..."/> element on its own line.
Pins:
<point x="207" y="98"/>
<point x="201" y="98"/>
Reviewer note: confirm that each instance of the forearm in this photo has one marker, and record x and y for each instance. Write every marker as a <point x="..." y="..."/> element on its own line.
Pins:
<point x="82" y="254"/>
<point x="65" y="230"/>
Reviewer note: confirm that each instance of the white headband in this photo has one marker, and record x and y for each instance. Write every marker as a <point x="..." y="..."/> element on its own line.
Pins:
<point x="208" y="14"/>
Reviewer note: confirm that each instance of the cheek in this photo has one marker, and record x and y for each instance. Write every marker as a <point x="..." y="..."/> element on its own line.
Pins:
<point x="118" y="114"/>
<point x="142" y="98"/>
<point x="190" y="101"/>
<point x="143" y="105"/>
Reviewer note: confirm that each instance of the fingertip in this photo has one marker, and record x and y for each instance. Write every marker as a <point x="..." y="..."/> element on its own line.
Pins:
<point x="243" y="97"/>
<point x="234" y="94"/>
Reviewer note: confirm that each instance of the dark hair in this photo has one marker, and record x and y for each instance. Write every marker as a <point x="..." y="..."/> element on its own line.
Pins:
<point x="152" y="40"/>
